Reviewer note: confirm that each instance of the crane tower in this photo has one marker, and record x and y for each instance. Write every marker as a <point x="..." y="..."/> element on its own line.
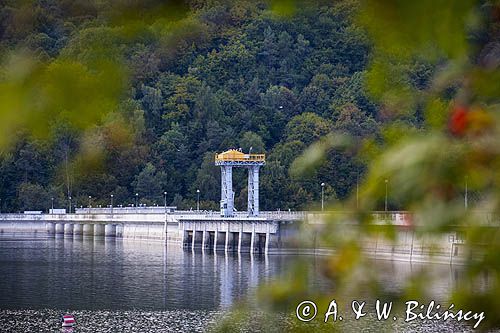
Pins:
<point x="235" y="158"/>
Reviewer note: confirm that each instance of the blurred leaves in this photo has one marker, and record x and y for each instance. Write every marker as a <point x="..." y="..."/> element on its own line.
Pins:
<point x="35" y="94"/>
<point x="425" y="28"/>
<point x="439" y="140"/>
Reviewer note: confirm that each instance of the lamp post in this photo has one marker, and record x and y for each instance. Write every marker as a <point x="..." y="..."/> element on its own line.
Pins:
<point x="52" y="199"/>
<point x="136" y="200"/>
<point x="166" y="221"/>
<point x="112" y="196"/>
<point x="90" y="198"/>
<point x="386" y="181"/>
<point x="69" y="198"/>
<point x="198" y="200"/>
<point x="322" y="196"/>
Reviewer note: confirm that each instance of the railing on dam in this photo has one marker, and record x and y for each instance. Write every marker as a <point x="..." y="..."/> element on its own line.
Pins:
<point x="126" y="210"/>
<point x="156" y="215"/>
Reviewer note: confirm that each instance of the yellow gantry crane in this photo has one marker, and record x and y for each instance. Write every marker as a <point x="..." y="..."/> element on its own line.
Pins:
<point x="236" y="158"/>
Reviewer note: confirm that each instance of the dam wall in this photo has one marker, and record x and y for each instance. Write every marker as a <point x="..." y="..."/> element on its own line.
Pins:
<point x="277" y="232"/>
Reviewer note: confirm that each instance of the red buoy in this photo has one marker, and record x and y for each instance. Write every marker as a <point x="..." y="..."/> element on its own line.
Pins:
<point x="68" y="320"/>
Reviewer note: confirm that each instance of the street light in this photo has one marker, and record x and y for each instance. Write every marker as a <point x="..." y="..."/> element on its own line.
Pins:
<point x="112" y="204"/>
<point x="386" y="181"/>
<point x="136" y="199"/>
<point x="165" y="201"/>
<point x="90" y="198"/>
<point x="52" y="199"/>
<point x="198" y="200"/>
<point x="322" y="196"/>
<point x="70" y="204"/>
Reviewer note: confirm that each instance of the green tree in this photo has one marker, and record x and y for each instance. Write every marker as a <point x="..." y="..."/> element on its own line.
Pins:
<point x="251" y="140"/>
<point x="307" y="128"/>
<point x="33" y="197"/>
<point x="150" y="184"/>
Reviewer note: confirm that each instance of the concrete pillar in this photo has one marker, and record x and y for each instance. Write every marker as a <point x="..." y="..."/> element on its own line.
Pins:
<point x="77" y="229"/>
<point x="266" y="246"/>
<point x="193" y="239"/>
<point x="68" y="229"/>
<point x="204" y="239"/>
<point x="59" y="228"/>
<point x="215" y="239"/>
<point x="240" y="240"/>
<point x="88" y="229"/>
<point x="99" y="230"/>
<point x="110" y="230"/>
<point x="252" y="239"/>
<point x="119" y="230"/>
<point x="51" y="228"/>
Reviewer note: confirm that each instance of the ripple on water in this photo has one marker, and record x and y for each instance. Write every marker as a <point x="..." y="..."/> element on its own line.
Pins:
<point x="47" y="320"/>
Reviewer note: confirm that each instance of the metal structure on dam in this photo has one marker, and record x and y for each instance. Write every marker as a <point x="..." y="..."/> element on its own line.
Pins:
<point x="235" y="158"/>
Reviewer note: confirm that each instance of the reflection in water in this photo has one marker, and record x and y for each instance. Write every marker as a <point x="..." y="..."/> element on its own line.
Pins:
<point x="97" y="273"/>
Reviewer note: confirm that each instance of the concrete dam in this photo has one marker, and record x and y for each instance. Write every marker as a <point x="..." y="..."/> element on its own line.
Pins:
<point x="191" y="229"/>
<point x="269" y="233"/>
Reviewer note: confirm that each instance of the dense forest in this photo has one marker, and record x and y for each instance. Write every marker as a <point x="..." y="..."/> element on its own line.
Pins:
<point x="177" y="83"/>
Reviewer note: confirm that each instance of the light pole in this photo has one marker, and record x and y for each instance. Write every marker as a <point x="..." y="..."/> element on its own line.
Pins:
<point x="166" y="221"/>
<point x="112" y="204"/>
<point x="386" y="181"/>
<point x="136" y="200"/>
<point x="198" y="200"/>
<point x="69" y="198"/>
<point x="322" y="196"/>
<point x="52" y="199"/>
<point x="90" y="198"/>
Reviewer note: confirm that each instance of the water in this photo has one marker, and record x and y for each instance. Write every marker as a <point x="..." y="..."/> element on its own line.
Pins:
<point x="140" y="286"/>
<point x="86" y="273"/>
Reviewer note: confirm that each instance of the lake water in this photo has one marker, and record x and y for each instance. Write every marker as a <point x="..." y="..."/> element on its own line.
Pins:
<point x="140" y="286"/>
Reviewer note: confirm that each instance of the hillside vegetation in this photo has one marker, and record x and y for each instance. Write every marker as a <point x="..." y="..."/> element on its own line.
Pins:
<point x="120" y="98"/>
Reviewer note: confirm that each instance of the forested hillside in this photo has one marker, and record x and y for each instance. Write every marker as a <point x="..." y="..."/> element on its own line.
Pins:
<point x="177" y="83"/>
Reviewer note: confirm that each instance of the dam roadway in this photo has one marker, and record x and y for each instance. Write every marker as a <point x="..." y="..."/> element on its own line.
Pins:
<point x="270" y="232"/>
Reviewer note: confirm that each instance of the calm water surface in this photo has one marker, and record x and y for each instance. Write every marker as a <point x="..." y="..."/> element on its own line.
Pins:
<point x="133" y="280"/>
<point x="88" y="273"/>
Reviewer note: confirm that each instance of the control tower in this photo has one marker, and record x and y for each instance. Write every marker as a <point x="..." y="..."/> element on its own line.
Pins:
<point x="235" y="158"/>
